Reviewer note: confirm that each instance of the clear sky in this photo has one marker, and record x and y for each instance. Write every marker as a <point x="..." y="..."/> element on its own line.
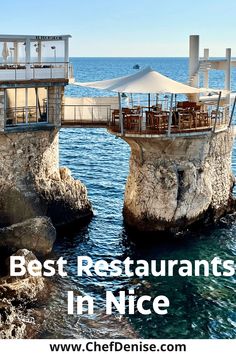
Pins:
<point x="126" y="27"/>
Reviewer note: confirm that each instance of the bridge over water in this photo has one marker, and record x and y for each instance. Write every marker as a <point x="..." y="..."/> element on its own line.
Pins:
<point x="92" y="112"/>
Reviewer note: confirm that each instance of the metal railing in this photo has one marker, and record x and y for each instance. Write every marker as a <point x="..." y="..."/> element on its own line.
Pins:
<point x="149" y="122"/>
<point x="87" y="115"/>
<point x="35" y="71"/>
<point x="24" y="115"/>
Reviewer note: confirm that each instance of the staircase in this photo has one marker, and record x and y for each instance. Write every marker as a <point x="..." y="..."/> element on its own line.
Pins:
<point x="204" y="65"/>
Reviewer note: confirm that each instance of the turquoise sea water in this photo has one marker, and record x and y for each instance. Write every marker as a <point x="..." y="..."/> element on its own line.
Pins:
<point x="200" y="307"/>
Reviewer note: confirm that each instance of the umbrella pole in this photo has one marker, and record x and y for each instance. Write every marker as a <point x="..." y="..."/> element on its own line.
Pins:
<point x="149" y="101"/>
<point x="170" y="115"/>
<point x="120" y="115"/>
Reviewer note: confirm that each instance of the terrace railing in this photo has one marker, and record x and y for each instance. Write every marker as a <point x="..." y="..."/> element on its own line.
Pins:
<point x="24" y="115"/>
<point x="185" y="121"/>
<point x="35" y="71"/>
<point x="87" y="115"/>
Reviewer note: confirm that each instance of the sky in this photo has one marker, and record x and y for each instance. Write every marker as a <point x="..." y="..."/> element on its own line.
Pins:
<point x="126" y="28"/>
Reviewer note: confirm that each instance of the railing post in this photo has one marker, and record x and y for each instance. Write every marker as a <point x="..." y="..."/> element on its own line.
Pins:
<point x="108" y="116"/>
<point x="232" y="112"/>
<point x="37" y="104"/>
<point x="170" y="115"/>
<point x="121" y="115"/>
<point x="217" y="111"/>
<point x="26" y="106"/>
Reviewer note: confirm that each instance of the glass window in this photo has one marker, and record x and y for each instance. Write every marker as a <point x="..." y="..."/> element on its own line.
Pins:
<point x="25" y="105"/>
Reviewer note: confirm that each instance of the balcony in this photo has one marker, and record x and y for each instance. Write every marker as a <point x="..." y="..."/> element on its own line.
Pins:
<point x="24" y="58"/>
<point x="36" y="71"/>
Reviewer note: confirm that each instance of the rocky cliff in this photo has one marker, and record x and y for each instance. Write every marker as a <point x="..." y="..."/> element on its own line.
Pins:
<point x="31" y="183"/>
<point x="17" y="300"/>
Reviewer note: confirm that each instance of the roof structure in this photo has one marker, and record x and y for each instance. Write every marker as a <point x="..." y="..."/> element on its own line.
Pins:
<point x="144" y="81"/>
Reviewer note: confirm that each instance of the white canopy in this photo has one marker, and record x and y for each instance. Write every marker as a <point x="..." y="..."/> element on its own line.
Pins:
<point x="144" y="81"/>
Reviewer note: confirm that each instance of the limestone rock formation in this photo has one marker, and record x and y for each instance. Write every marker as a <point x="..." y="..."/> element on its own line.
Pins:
<point x="11" y="326"/>
<point x="177" y="181"/>
<point x="35" y="234"/>
<point x="31" y="183"/>
<point x="16" y="295"/>
<point x="64" y="197"/>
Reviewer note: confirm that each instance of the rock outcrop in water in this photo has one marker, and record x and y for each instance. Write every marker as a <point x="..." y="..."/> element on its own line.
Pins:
<point x="65" y="198"/>
<point x="175" y="182"/>
<point x="35" y="234"/>
<point x="31" y="183"/>
<point x="17" y="295"/>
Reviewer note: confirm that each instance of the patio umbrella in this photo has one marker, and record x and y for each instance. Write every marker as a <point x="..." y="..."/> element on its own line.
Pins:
<point x="144" y="81"/>
<point x="5" y="52"/>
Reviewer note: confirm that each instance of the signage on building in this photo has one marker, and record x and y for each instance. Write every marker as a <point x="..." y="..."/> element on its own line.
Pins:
<point x="49" y="38"/>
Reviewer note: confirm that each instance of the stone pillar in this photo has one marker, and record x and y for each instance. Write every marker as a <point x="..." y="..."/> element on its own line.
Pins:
<point x="55" y="105"/>
<point x="175" y="182"/>
<point x="2" y="115"/>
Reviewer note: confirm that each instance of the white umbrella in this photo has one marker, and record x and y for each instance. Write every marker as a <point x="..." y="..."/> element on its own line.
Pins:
<point x="144" y="81"/>
<point x="5" y="52"/>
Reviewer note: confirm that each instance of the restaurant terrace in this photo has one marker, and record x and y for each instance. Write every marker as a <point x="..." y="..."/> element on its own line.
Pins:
<point x="165" y="116"/>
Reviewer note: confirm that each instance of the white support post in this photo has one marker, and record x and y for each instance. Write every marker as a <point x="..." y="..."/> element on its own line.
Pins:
<point x="27" y="58"/>
<point x="228" y="74"/>
<point x="39" y="51"/>
<point x="27" y="50"/>
<point x="5" y="107"/>
<point x="15" y="52"/>
<point x="66" y="58"/>
<point x="47" y="105"/>
<point x="194" y="63"/>
<point x="193" y="60"/>
<point x="206" y="75"/>
<point x="228" y="69"/>
<point x="121" y="115"/>
<point x="66" y="53"/>
<point x="26" y="106"/>
<point x="170" y="115"/>
<point x="15" y="115"/>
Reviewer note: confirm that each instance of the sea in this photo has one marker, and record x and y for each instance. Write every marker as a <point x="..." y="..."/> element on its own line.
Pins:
<point x="200" y="307"/>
